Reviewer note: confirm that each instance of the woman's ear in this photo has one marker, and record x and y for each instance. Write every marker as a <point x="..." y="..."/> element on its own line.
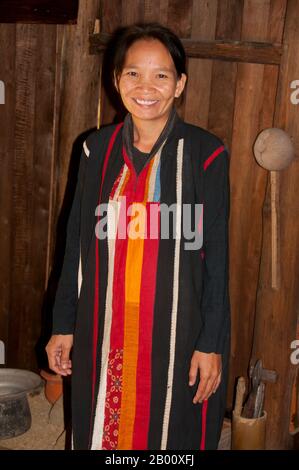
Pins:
<point x="180" y="85"/>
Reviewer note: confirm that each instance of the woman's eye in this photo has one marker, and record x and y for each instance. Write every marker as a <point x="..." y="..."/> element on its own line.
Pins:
<point x="131" y="73"/>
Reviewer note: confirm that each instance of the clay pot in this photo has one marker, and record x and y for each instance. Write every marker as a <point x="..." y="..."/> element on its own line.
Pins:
<point x="15" y="415"/>
<point x="53" y="386"/>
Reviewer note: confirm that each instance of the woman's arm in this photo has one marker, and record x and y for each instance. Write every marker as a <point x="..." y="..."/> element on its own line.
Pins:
<point x="215" y="310"/>
<point x="64" y="313"/>
<point x="65" y="306"/>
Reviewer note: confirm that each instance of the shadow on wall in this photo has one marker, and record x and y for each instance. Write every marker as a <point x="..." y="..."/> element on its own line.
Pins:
<point x="60" y="241"/>
<point x="61" y="229"/>
<point x="48" y="301"/>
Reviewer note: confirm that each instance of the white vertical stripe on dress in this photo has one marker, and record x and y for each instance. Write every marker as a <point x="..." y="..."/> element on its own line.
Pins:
<point x="86" y="149"/>
<point x="98" y="428"/>
<point x="87" y="153"/>
<point x="175" y="297"/>
<point x="79" y="275"/>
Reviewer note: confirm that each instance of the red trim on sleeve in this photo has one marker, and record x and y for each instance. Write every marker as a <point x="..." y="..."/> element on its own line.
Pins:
<point x="212" y="157"/>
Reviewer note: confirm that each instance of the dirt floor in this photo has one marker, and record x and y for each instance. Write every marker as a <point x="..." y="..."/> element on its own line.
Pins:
<point x="47" y="431"/>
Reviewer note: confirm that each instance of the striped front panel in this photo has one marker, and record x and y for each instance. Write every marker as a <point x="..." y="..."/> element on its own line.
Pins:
<point x="122" y="417"/>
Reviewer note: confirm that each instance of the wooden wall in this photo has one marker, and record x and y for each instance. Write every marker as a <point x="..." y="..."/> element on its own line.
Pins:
<point x="51" y="95"/>
<point x="52" y="89"/>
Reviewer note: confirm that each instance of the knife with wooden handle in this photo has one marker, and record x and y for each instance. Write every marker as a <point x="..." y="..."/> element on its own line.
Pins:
<point x="259" y="401"/>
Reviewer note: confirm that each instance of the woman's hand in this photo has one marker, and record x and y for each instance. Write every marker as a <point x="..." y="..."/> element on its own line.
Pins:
<point x="58" y="350"/>
<point x="209" y="366"/>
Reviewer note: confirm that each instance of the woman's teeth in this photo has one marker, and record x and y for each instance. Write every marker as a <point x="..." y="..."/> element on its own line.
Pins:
<point x="146" y="102"/>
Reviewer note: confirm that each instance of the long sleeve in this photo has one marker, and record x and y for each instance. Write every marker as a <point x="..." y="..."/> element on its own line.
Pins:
<point x="215" y="308"/>
<point x="64" y="311"/>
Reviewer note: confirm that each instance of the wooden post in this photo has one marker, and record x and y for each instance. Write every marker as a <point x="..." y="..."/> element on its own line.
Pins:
<point x="277" y="311"/>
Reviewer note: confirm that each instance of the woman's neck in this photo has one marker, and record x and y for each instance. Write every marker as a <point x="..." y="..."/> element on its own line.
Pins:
<point x="146" y="133"/>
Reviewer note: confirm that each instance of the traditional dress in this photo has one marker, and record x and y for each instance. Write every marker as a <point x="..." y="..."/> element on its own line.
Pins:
<point x="140" y="303"/>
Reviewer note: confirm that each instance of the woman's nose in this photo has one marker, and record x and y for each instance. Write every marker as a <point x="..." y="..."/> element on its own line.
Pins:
<point x="145" y="83"/>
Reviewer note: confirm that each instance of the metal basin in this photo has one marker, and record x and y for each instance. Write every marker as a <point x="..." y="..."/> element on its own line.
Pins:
<point x="15" y="416"/>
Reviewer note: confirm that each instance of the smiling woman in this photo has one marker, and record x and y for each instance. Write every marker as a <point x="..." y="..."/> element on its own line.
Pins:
<point x="150" y="330"/>
<point x="148" y="85"/>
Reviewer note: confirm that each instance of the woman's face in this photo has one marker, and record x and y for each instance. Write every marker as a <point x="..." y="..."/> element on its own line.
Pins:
<point x="148" y="83"/>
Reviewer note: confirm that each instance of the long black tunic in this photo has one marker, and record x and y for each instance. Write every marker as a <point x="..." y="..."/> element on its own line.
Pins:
<point x="140" y="305"/>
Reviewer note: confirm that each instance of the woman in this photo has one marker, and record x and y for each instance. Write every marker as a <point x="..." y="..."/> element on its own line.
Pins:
<point x="151" y="322"/>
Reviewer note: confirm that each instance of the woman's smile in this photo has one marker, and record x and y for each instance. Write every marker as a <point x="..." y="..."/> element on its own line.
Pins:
<point x="145" y="102"/>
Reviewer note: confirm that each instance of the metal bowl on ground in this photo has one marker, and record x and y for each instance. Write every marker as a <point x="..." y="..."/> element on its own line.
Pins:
<point x="15" y="415"/>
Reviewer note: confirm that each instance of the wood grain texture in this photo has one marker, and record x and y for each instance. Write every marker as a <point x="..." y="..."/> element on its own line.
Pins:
<point x="225" y="50"/>
<point x="79" y="91"/>
<point x="110" y="20"/>
<point x="151" y="10"/>
<point x="110" y="15"/>
<point x="50" y="99"/>
<point x="26" y="38"/>
<point x="179" y="17"/>
<point x="7" y="123"/>
<point x="31" y="188"/>
<point x="277" y="311"/>
<point x="254" y="110"/>
<point x="221" y="109"/>
<point x="132" y="11"/>
<point x="200" y="71"/>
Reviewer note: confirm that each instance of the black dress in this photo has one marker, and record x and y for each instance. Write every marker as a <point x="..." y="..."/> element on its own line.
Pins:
<point x="140" y="305"/>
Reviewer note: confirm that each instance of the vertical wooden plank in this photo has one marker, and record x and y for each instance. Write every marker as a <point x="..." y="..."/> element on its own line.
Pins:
<point x="132" y="11"/>
<point x="254" y="110"/>
<point x="33" y="140"/>
<point x="277" y="311"/>
<point x="152" y="11"/>
<point x="256" y="20"/>
<point x="44" y="144"/>
<point x="277" y="20"/>
<point x="179" y="19"/>
<point x="224" y="74"/>
<point x="22" y="190"/>
<point x="110" y="15"/>
<point x="156" y="11"/>
<point x="179" y="16"/>
<point x="54" y="150"/>
<point x="197" y="99"/>
<point x="7" y="122"/>
<point x="110" y="20"/>
<point x="79" y="75"/>
<point x="163" y="11"/>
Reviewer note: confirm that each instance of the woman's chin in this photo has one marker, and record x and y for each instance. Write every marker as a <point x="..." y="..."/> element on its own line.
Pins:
<point x="147" y="114"/>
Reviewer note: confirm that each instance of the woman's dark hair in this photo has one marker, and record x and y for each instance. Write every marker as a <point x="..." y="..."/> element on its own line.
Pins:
<point x="125" y="37"/>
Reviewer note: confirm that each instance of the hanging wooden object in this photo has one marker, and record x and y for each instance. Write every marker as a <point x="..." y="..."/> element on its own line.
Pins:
<point x="274" y="151"/>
